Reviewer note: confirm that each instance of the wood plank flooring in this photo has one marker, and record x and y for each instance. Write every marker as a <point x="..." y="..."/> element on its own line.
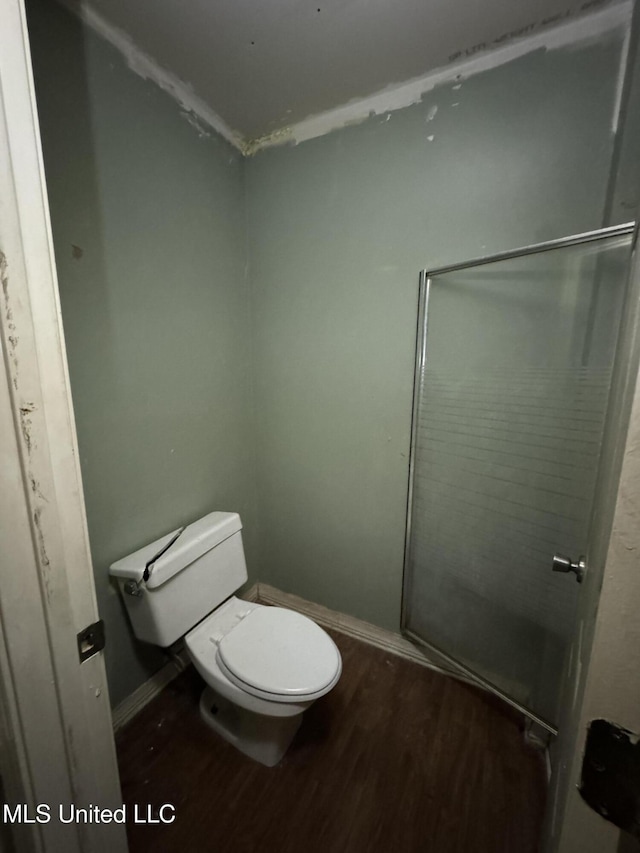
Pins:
<point x="395" y="758"/>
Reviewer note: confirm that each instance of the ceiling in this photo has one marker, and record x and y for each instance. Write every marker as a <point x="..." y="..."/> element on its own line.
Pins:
<point x="262" y="65"/>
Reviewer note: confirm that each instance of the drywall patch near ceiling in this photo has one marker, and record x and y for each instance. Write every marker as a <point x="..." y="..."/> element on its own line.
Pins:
<point x="196" y="111"/>
<point x="576" y="33"/>
<point x="465" y="64"/>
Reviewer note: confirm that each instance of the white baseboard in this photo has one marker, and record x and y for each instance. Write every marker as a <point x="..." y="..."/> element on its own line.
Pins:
<point x="250" y="594"/>
<point x="381" y="638"/>
<point x="133" y="704"/>
<point x="388" y="641"/>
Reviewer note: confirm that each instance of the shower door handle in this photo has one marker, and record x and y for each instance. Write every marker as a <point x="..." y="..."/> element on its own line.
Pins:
<point x="564" y="564"/>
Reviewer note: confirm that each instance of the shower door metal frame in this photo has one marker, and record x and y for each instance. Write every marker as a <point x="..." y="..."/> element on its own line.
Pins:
<point x="426" y="276"/>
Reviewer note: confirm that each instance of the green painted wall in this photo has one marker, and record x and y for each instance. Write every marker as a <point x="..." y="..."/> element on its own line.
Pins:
<point x="181" y="365"/>
<point x="339" y="227"/>
<point x="148" y="224"/>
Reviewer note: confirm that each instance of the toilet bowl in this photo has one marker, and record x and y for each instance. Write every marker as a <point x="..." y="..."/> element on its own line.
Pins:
<point x="263" y="666"/>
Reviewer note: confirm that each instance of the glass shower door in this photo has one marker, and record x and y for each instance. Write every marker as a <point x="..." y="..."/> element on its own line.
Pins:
<point x="513" y="374"/>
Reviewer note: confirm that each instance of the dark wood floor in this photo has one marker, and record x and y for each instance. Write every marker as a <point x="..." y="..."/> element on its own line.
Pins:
<point x="395" y="758"/>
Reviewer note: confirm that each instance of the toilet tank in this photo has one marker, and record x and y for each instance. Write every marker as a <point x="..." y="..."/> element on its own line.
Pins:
<point x="171" y="584"/>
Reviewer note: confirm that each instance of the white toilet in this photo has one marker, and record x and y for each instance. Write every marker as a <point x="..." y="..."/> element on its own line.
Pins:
<point x="264" y="666"/>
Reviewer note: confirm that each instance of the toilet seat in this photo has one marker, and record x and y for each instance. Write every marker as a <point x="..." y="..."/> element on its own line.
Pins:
<point x="269" y="653"/>
<point x="280" y="655"/>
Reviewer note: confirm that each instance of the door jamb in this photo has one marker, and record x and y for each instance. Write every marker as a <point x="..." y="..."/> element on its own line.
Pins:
<point x="57" y="745"/>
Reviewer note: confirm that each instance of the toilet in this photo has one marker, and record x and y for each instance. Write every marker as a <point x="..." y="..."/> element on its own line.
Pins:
<point x="263" y="666"/>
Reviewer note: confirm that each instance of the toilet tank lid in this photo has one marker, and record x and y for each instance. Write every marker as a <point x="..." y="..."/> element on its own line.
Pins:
<point x="194" y="541"/>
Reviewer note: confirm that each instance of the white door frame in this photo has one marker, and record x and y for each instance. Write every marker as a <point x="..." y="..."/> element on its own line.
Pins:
<point x="56" y="737"/>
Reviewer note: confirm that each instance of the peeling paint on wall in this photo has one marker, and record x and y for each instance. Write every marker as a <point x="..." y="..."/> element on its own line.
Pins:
<point x="464" y="63"/>
<point x="195" y="121"/>
<point x="528" y="29"/>
<point x="25" y="411"/>
<point x="12" y="338"/>
<point x="573" y="34"/>
<point x="276" y="138"/>
<point x="25" y="425"/>
<point x="35" y="488"/>
<point x="193" y="108"/>
<point x="45" y="562"/>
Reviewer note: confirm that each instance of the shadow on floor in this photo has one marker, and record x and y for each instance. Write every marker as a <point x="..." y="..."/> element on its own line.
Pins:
<point x="396" y="757"/>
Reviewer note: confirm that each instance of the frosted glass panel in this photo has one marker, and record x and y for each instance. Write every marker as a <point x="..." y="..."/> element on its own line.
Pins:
<point x="509" y="417"/>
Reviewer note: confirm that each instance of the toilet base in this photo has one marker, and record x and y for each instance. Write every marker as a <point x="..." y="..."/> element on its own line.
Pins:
<point x="263" y="738"/>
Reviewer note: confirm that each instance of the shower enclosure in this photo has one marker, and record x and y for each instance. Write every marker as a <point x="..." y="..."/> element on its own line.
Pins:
<point x="513" y="372"/>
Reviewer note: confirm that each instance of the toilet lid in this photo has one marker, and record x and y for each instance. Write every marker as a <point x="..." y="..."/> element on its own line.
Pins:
<point x="280" y="652"/>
